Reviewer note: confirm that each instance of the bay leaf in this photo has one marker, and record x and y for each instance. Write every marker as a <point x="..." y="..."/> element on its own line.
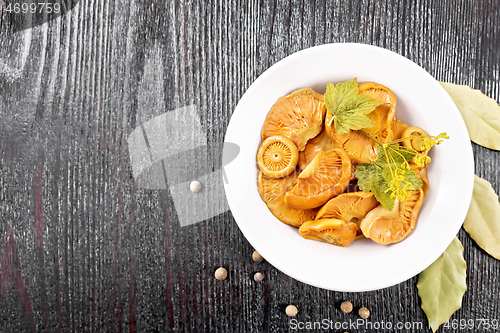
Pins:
<point x="482" y="222"/>
<point x="442" y="285"/>
<point x="481" y="114"/>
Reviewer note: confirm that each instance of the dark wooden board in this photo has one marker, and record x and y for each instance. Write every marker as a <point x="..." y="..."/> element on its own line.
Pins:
<point x="86" y="249"/>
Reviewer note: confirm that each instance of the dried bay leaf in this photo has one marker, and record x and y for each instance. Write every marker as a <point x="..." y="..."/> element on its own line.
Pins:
<point x="481" y="114"/>
<point x="442" y="285"/>
<point x="482" y="222"/>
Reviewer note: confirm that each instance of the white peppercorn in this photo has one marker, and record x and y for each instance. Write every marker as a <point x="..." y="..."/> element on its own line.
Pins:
<point x="291" y="310"/>
<point x="221" y="273"/>
<point x="257" y="257"/>
<point x="195" y="186"/>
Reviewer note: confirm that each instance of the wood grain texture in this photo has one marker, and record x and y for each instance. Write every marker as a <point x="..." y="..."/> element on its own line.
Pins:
<point x="84" y="249"/>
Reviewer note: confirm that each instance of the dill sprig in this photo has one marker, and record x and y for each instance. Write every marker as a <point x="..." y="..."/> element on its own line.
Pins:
<point x="390" y="176"/>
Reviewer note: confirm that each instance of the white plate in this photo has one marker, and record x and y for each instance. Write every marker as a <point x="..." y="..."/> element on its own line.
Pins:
<point x="363" y="265"/>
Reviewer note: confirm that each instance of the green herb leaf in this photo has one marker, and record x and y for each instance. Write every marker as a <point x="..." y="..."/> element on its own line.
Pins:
<point x="370" y="178"/>
<point x="442" y="285"/>
<point x="348" y="107"/>
<point x="378" y="176"/>
<point x="480" y="112"/>
<point x="482" y="222"/>
<point x="397" y="154"/>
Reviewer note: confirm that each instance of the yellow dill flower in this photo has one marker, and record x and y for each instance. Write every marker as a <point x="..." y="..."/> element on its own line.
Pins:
<point x="430" y="141"/>
<point x="441" y="137"/>
<point x="399" y="192"/>
<point x="396" y="188"/>
<point x="390" y="176"/>
<point x="421" y="160"/>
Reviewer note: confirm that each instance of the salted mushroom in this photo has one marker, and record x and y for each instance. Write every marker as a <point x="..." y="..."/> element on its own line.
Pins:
<point x="298" y="116"/>
<point x="385" y="227"/>
<point x="272" y="192"/>
<point x="327" y="176"/>
<point x="332" y="231"/>
<point x="349" y="207"/>
<point x="277" y="156"/>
